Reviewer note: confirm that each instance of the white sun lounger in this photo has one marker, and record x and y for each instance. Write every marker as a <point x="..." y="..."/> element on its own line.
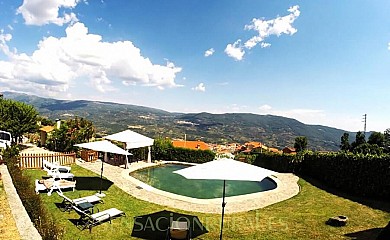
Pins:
<point x="57" y="171"/>
<point x="50" y="185"/>
<point x="56" y="174"/>
<point x="49" y="166"/>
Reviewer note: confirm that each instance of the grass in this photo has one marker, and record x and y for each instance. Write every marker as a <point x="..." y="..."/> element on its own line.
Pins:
<point x="8" y="229"/>
<point x="301" y="217"/>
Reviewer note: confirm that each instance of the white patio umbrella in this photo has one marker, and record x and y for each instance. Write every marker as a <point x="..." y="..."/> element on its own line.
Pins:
<point x="225" y="169"/>
<point x="106" y="147"/>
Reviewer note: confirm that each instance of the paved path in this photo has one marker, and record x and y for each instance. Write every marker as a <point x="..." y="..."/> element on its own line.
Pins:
<point x="31" y="148"/>
<point x="287" y="188"/>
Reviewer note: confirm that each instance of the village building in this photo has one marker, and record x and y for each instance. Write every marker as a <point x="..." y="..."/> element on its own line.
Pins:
<point x="196" y="145"/>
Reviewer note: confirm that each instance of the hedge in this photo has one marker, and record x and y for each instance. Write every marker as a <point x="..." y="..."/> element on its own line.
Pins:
<point x="190" y="155"/>
<point x="364" y="175"/>
<point x="284" y="163"/>
<point x="361" y="175"/>
<point x="32" y="202"/>
<point x="164" y="150"/>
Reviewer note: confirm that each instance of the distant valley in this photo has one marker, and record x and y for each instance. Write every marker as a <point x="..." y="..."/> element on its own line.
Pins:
<point x="273" y="131"/>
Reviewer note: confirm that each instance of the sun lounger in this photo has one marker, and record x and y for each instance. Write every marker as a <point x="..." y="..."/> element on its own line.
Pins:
<point x="49" y="166"/>
<point x="50" y="185"/>
<point x="61" y="175"/>
<point x="87" y="220"/>
<point x="67" y="203"/>
<point x="57" y="171"/>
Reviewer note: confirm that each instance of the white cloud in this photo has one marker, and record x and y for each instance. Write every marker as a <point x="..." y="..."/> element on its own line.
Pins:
<point x="41" y="12"/>
<point x="201" y="87"/>
<point x="308" y="116"/>
<point x="209" y="52"/>
<point x="265" y="45"/>
<point x="223" y="83"/>
<point x="235" y="50"/>
<point x="4" y="38"/>
<point x="265" y="107"/>
<point x="236" y="108"/>
<point x="81" y="56"/>
<point x="264" y="29"/>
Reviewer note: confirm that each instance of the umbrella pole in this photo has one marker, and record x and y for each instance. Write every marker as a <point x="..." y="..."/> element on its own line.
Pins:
<point x="101" y="173"/>
<point x="223" y="208"/>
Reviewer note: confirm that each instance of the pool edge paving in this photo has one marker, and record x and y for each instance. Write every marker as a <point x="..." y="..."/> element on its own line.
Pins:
<point x="287" y="188"/>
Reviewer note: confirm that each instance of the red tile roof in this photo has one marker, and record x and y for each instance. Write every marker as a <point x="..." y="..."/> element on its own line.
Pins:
<point x="191" y="144"/>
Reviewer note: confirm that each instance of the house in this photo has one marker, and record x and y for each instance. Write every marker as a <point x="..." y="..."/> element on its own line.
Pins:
<point x="289" y="150"/>
<point x="191" y="144"/>
<point x="252" y="145"/>
<point x="43" y="132"/>
<point x="274" y="150"/>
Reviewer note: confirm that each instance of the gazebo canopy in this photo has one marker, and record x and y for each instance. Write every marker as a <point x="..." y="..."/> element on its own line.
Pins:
<point x="131" y="138"/>
<point x="103" y="146"/>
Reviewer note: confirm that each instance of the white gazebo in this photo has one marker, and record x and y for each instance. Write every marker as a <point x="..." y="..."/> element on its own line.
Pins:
<point x="133" y="140"/>
<point x="106" y="147"/>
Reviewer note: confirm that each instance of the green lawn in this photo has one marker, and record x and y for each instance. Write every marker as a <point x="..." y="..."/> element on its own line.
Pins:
<point x="301" y="217"/>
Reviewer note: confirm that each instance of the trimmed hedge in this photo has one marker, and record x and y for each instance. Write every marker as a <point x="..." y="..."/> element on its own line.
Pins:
<point x="190" y="155"/>
<point x="164" y="150"/>
<point x="32" y="202"/>
<point x="284" y="163"/>
<point x="362" y="175"/>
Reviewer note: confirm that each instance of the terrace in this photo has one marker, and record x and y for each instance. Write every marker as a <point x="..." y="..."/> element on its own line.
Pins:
<point x="300" y="217"/>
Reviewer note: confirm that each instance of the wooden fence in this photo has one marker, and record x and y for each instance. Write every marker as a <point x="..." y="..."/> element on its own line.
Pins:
<point x="35" y="160"/>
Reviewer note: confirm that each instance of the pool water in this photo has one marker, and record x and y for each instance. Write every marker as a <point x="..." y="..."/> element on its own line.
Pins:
<point x="163" y="178"/>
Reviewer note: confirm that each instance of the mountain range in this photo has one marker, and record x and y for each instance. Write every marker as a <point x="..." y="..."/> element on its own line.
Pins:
<point x="108" y="117"/>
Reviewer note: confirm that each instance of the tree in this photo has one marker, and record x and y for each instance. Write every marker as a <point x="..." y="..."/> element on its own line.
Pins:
<point x="71" y="132"/>
<point x="345" y="146"/>
<point x="161" y="148"/>
<point x="17" y="118"/>
<point x="45" y="121"/>
<point x="360" y="139"/>
<point x="300" y="143"/>
<point x="377" y="138"/>
<point x="386" y="136"/>
<point x="367" y="148"/>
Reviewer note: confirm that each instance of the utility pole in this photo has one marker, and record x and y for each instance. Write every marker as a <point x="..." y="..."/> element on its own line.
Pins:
<point x="365" y="123"/>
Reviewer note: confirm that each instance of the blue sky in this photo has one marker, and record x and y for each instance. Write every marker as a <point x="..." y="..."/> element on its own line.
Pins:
<point x="321" y="62"/>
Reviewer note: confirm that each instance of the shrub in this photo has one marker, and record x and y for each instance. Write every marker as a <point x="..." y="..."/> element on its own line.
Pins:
<point x="164" y="150"/>
<point x="190" y="155"/>
<point x="32" y="202"/>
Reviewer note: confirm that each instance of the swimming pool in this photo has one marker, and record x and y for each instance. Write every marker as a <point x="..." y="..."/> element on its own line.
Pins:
<point x="163" y="178"/>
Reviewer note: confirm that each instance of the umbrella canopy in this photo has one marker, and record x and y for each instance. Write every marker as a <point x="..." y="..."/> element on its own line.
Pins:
<point x="106" y="147"/>
<point x="103" y="146"/>
<point x="132" y="139"/>
<point x="225" y="169"/>
<point x="154" y="226"/>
